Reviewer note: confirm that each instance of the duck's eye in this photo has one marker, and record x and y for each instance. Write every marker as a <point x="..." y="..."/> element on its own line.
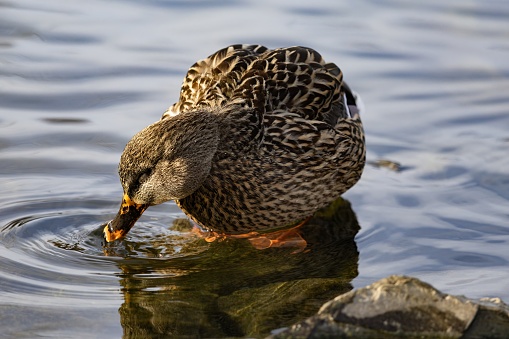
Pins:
<point x="144" y="176"/>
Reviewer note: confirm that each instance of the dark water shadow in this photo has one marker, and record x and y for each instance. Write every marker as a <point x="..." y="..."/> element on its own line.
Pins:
<point x="234" y="290"/>
<point x="65" y="121"/>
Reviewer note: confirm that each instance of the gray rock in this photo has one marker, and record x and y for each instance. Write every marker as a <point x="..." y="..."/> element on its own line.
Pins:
<point x="406" y="307"/>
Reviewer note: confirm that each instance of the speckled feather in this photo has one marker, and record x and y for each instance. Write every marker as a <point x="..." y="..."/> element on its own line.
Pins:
<point x="288" y="145"/>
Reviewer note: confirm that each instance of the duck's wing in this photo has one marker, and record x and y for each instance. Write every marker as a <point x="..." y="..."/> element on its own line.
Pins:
<point x="303" y="111"/>
<point x="271" y="86"/>
<point x="295" y="79"/>
<point x="211" y="82"/>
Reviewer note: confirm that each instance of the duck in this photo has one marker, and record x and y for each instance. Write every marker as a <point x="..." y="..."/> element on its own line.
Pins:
<point x="259" y="140"/>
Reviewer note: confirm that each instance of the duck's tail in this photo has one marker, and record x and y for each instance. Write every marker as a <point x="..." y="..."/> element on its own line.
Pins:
<point x="353" y="102"/>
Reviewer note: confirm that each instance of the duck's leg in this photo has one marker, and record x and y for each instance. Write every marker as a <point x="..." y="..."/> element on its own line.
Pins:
<point x="211" y="236"/>
<point x="284" y="238"/>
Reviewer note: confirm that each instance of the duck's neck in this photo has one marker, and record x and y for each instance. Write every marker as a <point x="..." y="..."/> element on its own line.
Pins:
<point x="194" y="138"/>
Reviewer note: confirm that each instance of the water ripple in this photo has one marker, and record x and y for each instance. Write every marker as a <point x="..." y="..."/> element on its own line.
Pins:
<point x="60" y="259"/>
<point x="32" y="266"/>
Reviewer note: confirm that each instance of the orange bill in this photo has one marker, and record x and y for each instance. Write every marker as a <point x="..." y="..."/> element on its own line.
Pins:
<point x="127" y="216"/>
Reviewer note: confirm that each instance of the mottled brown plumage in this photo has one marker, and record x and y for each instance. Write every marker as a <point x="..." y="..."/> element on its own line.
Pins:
<point x="259" y="139"/>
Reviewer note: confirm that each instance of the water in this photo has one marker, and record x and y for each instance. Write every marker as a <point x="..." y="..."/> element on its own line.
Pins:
<point x="77" y="81"/>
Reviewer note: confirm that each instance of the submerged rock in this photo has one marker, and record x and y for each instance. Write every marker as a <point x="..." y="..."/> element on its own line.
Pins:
<point x="403" y="307"/>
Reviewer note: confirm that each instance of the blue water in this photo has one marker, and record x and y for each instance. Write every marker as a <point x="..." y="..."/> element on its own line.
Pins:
<point x="77" y="80"/>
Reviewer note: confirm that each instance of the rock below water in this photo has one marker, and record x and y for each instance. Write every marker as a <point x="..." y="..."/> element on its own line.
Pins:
<point x="404" y="307"/>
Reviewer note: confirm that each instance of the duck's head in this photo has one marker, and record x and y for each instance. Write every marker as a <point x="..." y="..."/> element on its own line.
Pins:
<point x="167" y="160"/>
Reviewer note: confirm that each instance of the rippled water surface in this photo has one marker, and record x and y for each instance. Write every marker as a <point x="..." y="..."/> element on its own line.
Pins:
<point x="78" y="80"/>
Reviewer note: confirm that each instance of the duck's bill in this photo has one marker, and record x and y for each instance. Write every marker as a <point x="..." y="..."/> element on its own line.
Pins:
<point x="127" y="216"/>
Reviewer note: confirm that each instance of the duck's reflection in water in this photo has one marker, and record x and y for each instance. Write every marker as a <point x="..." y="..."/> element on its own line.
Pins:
<point x="232" y="289"/>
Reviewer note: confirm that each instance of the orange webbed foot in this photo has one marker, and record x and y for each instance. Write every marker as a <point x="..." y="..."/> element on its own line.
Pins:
<point x="286" y="238"/>
<point x="283" y="238"/>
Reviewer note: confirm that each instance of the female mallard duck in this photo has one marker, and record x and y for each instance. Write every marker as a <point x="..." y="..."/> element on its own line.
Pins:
<point x="260" y="139"/>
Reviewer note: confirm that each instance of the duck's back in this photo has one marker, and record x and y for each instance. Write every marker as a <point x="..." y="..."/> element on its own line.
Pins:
<point x="291" y="144"/>
<point x="295" y="79"/>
